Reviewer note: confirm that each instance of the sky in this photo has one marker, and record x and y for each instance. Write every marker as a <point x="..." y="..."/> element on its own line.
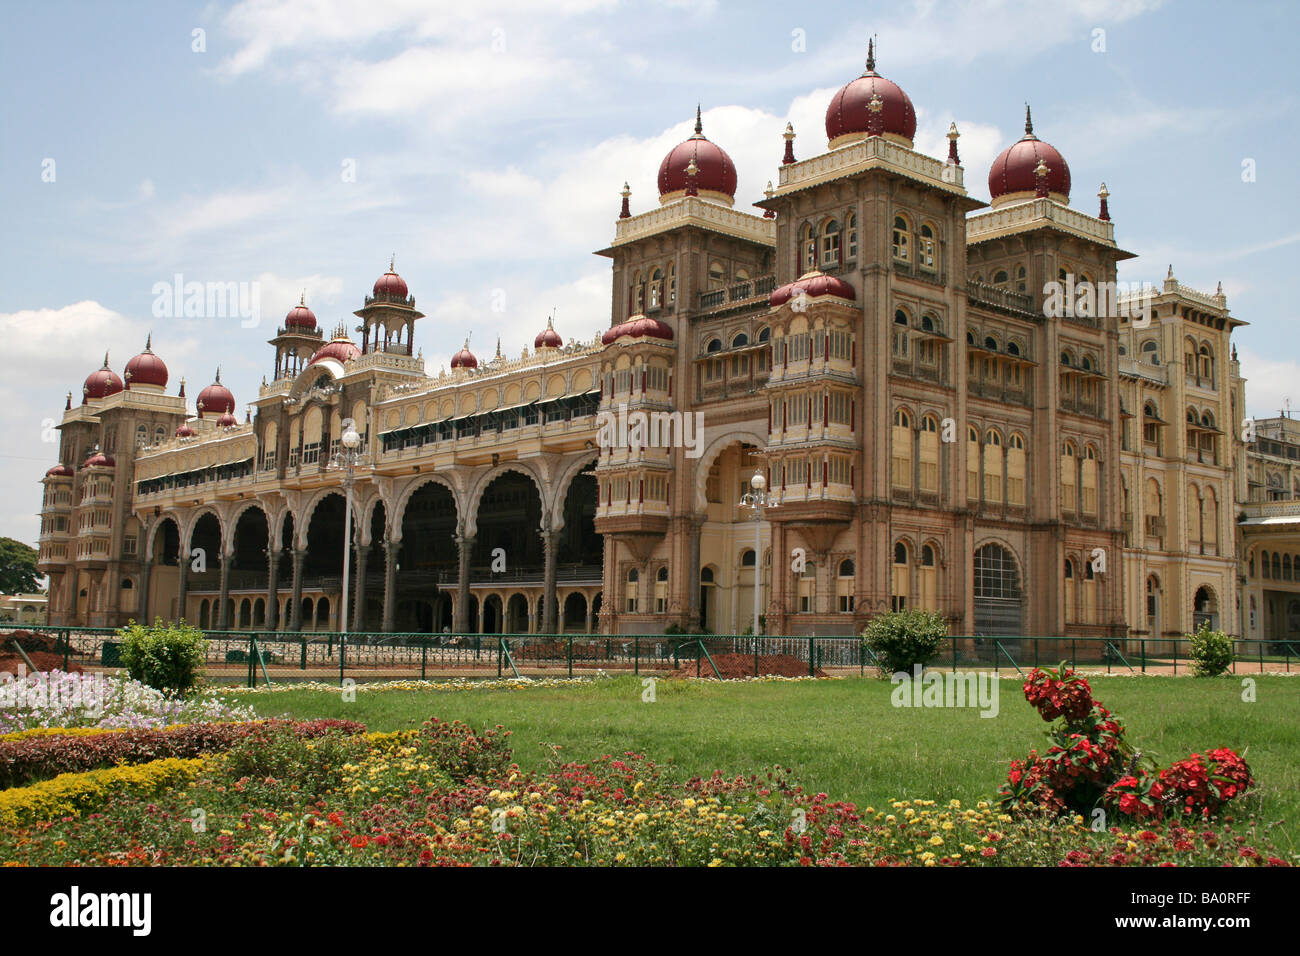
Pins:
<point x="290" y="145"/>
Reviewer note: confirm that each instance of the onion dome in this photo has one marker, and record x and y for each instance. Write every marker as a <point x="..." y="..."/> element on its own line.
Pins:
<point x="1013" y="176"/>
<point x="99" y="460"/>
<point x="464" y="358"/>
<point x="101" y="383"/>
<point x="638" y="326"/>
<point x="714" y="176"/>
<point x="548" y="338"/>
<point x="146" y="368"/>
<point x="184" y="431"/>
<point x="813" y="284"/>
<point x="300" y="317"/>
<point x="216" y="399"/>
<point x="59" y="471"/>
<point x="227" y="420"/>
<point x="870" y="106"/>
<point x="340" y="348"/>
<point x="390" y="285"/>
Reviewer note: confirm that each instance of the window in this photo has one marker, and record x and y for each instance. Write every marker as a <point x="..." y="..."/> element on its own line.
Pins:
<point x="926" y="249"/>
<point x="808" y="249"/>
<point x="1151" y="352"/>
<point x="993" y="468"/>
<point x="928" y="575"/>
<point x="901" y="578"/>
<point x="902" y="240"/>
<point x="630" y="590"/>
<point x="717" y="274"/>
<point x="1016" y="471"/>
<point x="831" y="244"/>
<point x="901" y="452"/>
<point x="929" y="471"/>
<point x="1088" y="481"/>
<point x="661" y="590"/>
<point x="1069" y="478"/>
<point x="672" y="284"/>
<point x="853" y="236"/>
<point x="1071" y="613"/>
<point x="808" y="589"/>
<point x="656" y="289"/>
<point x="844" y="587"/>
<point x="972" y="464"/>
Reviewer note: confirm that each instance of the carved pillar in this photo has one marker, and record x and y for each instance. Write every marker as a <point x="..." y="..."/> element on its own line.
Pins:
<point x="143" y="609"/>
<point x="550" y="545"/>
<point x="272" y="589"/>
<point x="359" y="592"/>
<point x="461" y="620"/>
<point x="182" y="585"/>
<point x="223" y="594"/>
<point x="295" y="593"/>
<point x="391" y="548"/>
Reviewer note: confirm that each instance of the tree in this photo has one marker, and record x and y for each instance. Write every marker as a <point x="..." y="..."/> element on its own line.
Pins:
<point x="17" y="567"/>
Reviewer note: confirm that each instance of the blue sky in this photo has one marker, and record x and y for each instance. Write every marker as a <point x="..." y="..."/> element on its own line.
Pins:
<point x="490" y="141"/>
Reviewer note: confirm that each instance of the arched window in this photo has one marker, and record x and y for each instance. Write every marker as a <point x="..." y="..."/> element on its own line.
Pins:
<point x="740" y="341"/>
<point x="929" y="457"/>
<point x="1022" y="284"/>
<point x="927" y="598"/>
<point x="901" y="451"/>
<point x="990" y="343"/>
<point x="853" y="236"/>
<point x="1013" y="348"/>
<point x="1000" y="278"/>
<point x="1088" y="481"/>
<point x="928" y="324"/>
<point x="844" y="587"/>
<point x="997" y="591"/>
<point x="808" y="589"/>
<point x="902" y="578"/>
<point x="630" y="590"/>
<point x="747" y="558"/>
<point x="902" y="239"/>
<point x="1206" y="365"/>
<point x="993" y="493"/>
<point x="656" y="288"/>
<point x="1016" y="470"/>
<point x="927" y="249"/>
<point x="661" y="590"/>
<point x="764" y="334"/>
<point x="717" y="275"/>
<point x="808" y="247"/>
<point x="672" y="284"/>
<point x="715" y="345"/>
<point x="1069" y="478"/>
<point x="1151" y="352"/>
<point x="638" y="293"/>
<point x="1071" y="594"/>
<point x="831" y="244"/>
<point x="972" y="464"/>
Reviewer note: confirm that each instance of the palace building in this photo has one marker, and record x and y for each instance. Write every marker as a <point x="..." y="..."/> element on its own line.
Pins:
<point x="879" y="344"/>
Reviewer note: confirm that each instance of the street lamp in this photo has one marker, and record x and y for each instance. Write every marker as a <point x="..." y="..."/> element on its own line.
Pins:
<point x="757" y="500"/>
<point x="346" y="460"/>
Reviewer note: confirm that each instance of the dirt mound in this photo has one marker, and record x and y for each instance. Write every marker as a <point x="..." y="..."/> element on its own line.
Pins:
<point x="45" y="651"/>
<point x="735" y="666"/>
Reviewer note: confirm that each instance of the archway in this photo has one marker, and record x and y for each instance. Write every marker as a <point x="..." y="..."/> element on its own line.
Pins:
<point x="205" y="548"/>
<point x="517" y="614"/>
<point x="575" y="613"/>
<point x="162" y="581"/>
<point x="248" y="569"/>
<point x="999" y="607"/>
<point x="492" y="615"/>
<point x="509" y="518"/>
<point x="1205" y="608"/>
<point x="427" y="559"/>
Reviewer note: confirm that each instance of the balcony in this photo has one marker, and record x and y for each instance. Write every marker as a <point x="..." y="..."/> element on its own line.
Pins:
<point x="981" y="293"/>
<point x="741" y="292"/>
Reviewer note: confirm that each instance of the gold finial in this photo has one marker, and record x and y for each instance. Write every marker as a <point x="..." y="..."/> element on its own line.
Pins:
<point x="769" y="192"/>
<point x="789" y="131"/>
<point x="627" y="191"/>
<point x="692" y="169"/>
<point x="1103" y="193"/>
<point x="952" y="131"/>
<point x="1041" y="169"/>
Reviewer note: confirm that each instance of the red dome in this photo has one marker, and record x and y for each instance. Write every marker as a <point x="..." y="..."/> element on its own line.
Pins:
<point x="850" y="113"/>
<point x="464" y="358"/>
<point x="227" y="420"/>
<point x="216" y="398"/>
<point x="184" y="431"/>
<point x="341" y="350"/>
<point x="146" y="368"/>
<point x="301" y="317"/>
<point x="101" y="383"/>
<point x="548" y="338"/>
<point x="390" y="285"/>
<point x="99" y="460"/>
<point x="812" y="284"/>
<point x="59" y="471"/>
<point x="717" y="173"/>
<point x="1014" y="169"/>
<point x="639" y="326"/>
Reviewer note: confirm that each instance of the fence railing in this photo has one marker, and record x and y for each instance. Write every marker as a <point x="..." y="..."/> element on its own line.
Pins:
<point x="239" y="656"/>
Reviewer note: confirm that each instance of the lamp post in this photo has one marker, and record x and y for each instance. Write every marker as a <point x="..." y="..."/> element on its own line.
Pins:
<point x="346" y="460"/>
<point x="757" y="500"/>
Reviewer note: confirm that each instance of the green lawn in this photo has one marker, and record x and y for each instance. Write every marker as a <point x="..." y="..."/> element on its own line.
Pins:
<point x="843" y="736"/>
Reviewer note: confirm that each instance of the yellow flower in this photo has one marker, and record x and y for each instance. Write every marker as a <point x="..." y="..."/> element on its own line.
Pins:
<point x="936" y="840"/>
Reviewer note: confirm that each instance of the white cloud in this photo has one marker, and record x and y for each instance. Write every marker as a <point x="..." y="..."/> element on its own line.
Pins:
<point x="1271" y="383"/>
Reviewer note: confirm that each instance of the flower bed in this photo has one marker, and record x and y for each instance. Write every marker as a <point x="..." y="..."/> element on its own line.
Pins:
<point x="446" y="795"/>
<point x="45" y="755"/>
<point x="58" y="699"/>
<point x="73" y="793"/>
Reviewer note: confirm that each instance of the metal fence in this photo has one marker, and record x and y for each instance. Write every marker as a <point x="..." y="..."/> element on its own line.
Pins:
<point x="253" y="657"/>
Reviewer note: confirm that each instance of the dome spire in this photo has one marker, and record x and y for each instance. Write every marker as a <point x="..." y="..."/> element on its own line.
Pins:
<point x="392" y="263"/>
<point x="626" y="211"/>
<point x="1029" y="122"/>
<point x="699" y="125"/>
<point x="789" y="145"/>
<point x="148" y="342"/>
<point x="871" y="55"/>
<point x="953" y="159"/>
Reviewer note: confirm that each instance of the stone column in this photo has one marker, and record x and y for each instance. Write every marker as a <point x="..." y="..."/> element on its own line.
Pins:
<point x="460" y="622"/>
<point x="182" y="585"/>
<point x="295" y="594"/>
<point x="272" y="590"/>
<point x="143" y="610"/>
<point x="359" y="591"/>
<point x="550" y="545"/>
<point x="391" y="549"/>
<point x="591" y="603"/>
<point x="693" y="574"/>
<point x="224" y="594"/>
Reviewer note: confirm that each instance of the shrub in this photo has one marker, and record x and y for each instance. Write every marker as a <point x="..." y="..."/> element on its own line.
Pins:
<point x="167" y="657"/>
<point x="1211" y="652"/>
<point x="901" y="639"/>
<point x="278" y="753"/>
<point x="72" y="793"/>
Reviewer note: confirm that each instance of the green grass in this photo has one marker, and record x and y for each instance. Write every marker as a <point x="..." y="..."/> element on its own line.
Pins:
<point x="843" y="736"/>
